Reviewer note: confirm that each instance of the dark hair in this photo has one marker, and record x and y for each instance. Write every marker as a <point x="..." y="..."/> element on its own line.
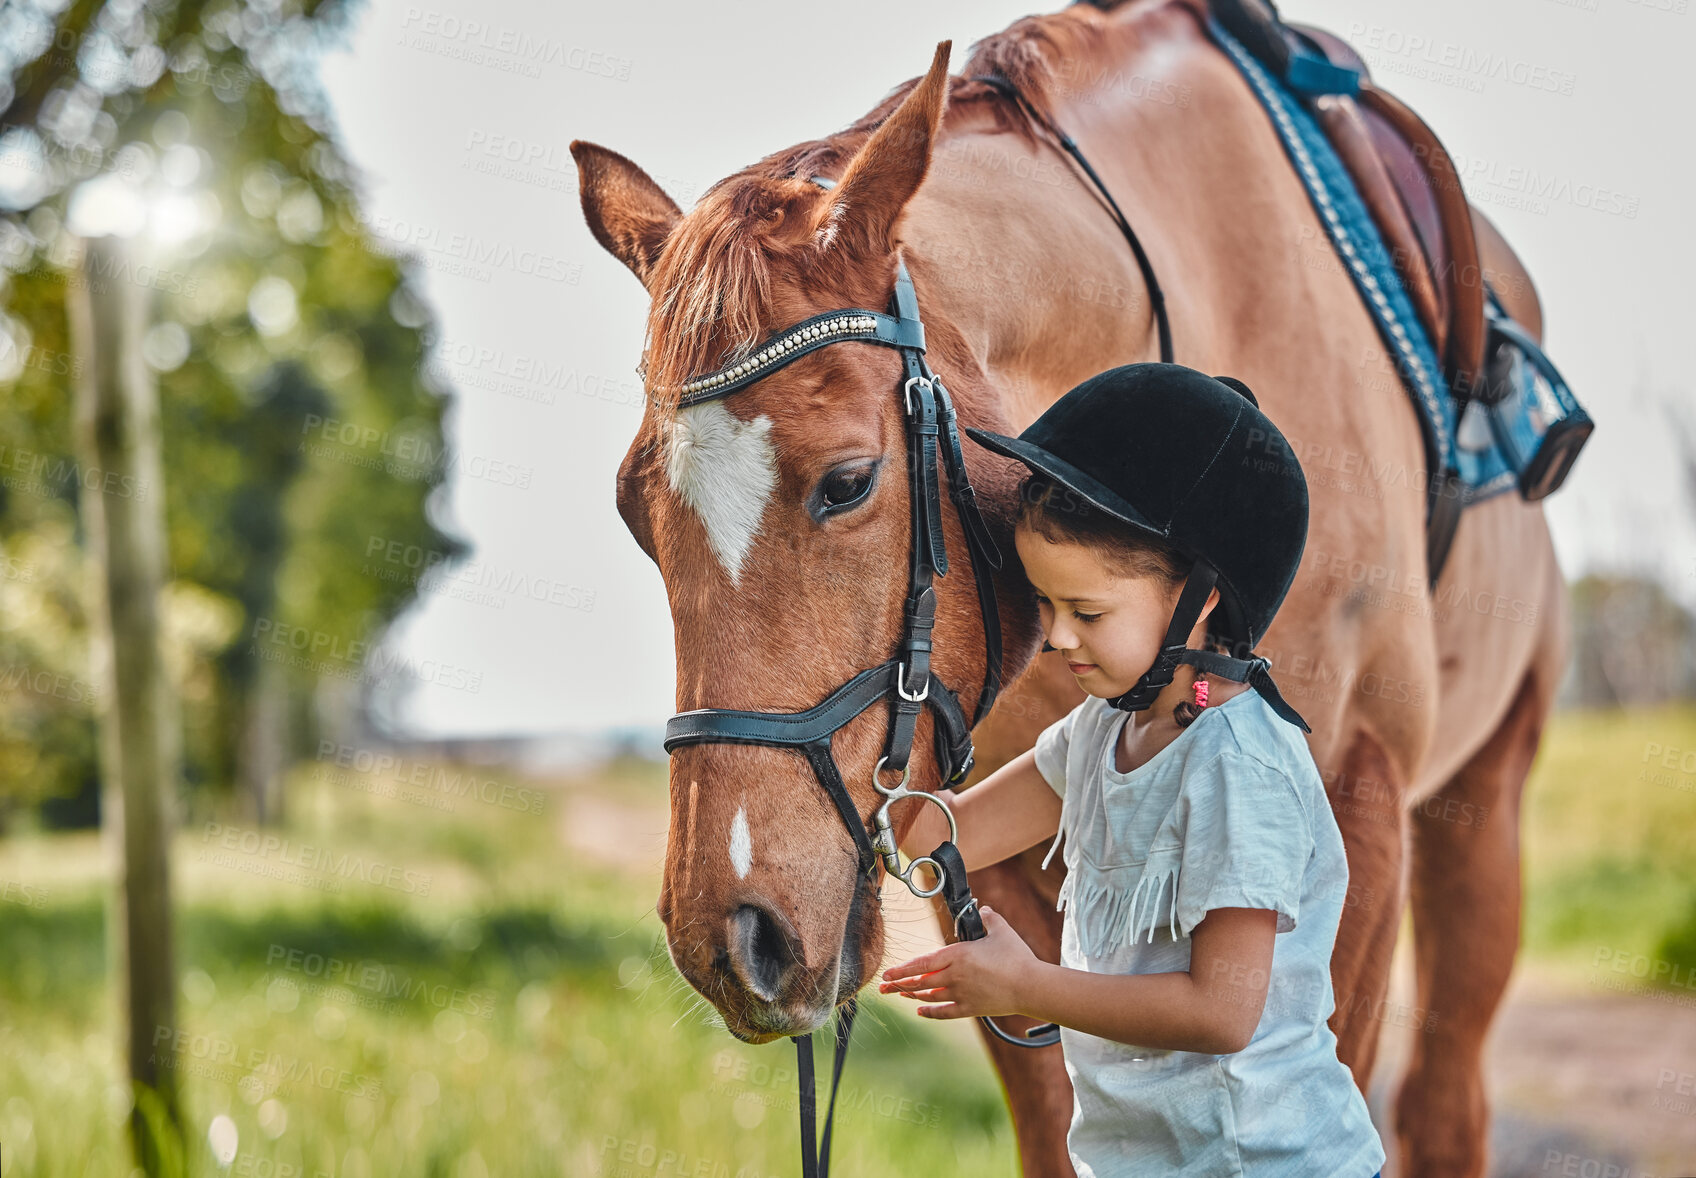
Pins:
<point x="1058" y="513"/>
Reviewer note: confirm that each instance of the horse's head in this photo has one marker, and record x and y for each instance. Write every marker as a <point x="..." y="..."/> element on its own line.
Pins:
<point x="779" y="518"/>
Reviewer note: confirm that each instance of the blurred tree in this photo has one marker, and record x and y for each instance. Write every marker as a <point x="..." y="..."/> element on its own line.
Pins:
<point x="1633" y="645"/>
<point x="117" y="428"/>
<point x="298" y="430"/>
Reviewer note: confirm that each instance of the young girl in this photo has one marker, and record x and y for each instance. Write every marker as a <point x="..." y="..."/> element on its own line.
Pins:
<point x="1205" y="870"/>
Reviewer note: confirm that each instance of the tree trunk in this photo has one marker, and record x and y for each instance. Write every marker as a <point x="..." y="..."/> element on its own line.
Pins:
<point x="122" y="503"/>
<point x="264" y="741"/>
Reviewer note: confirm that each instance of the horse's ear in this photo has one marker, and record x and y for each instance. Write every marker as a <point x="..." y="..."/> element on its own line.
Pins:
<point x="629" y="214"/>
<point x="888" y="169"/>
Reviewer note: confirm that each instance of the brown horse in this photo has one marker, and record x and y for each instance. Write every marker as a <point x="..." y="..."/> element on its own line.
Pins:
<point x="1426" y="706"/>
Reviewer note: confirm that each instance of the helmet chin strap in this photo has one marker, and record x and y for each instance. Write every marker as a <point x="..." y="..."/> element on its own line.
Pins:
<point x="1256" y="672"/>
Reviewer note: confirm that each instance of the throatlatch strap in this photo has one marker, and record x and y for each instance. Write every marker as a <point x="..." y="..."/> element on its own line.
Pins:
<point x="815" y="1153"/>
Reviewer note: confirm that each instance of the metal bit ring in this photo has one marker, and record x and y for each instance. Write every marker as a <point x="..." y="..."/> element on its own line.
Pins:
<point x="906" y="877"/>
<point x="884" y="839"/>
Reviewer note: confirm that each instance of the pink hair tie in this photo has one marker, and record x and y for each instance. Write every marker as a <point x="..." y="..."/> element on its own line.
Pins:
<point x="1201" y="693"/>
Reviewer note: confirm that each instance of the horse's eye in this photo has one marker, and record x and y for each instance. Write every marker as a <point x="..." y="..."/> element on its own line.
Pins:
<point x="846" y="485"/>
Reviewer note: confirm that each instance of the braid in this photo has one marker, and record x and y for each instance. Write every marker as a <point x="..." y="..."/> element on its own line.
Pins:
<point x="1186" y="710"/>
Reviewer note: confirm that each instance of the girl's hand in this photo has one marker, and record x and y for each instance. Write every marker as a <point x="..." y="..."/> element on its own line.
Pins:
<point x="983" y="977"/>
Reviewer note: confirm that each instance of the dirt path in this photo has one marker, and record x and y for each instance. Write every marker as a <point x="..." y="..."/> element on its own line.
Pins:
<point x="1584" y="1081"/>
<point x="1618" y="1068"/>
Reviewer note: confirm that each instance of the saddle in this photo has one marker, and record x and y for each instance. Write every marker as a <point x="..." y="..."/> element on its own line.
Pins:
<point x="1403" y="173"/>
<point x="1511" y="419"/>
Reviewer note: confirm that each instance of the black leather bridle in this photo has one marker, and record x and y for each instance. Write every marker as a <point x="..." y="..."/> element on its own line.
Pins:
<point x="931" y="425"/>
<point x="907" y="675"/>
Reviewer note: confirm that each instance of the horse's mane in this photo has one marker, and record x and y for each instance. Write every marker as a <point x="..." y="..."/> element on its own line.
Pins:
<point x="714" y="274"/>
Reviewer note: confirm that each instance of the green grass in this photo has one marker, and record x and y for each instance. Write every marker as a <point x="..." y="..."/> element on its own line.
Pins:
<point x="522" y="1018"/>
<point x="1609" y="838"/>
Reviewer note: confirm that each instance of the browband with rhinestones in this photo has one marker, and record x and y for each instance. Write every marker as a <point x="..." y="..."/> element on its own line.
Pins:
<point x="871" y="327"/>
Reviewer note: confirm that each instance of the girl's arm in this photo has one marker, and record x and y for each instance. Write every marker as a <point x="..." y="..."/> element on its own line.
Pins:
<point x="1213" y="1007"/>
<point x="1011" y="809"/>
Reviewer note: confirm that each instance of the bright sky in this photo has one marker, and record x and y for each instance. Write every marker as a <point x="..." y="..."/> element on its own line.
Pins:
<point x="433" y="101"/>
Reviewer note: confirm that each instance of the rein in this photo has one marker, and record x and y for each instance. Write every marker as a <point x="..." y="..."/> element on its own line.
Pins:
<point x="931" y="426"/>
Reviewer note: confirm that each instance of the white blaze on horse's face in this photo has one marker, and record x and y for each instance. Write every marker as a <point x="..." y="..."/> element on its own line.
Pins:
<point x="741" y="844"/>
<point x="724" y="468"/>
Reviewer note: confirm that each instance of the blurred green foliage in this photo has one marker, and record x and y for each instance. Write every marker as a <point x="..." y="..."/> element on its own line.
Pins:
<point x="1609" y="846"/>
<point x="288" y="348"/>
<point x="520" y="1019"/>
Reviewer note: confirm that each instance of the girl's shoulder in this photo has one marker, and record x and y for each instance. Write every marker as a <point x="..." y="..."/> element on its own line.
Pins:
<point x="1250" y="753"/>
<point x="1246" y="729"/>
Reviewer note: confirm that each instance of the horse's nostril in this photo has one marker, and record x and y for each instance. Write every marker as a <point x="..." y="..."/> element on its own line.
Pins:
<point x="761" y="950"/>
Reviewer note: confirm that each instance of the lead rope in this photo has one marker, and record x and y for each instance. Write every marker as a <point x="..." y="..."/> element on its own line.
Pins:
<point x="815" y="1154"/>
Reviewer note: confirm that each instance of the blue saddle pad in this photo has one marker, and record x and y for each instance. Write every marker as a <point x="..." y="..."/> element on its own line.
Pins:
<point x="1488" y="447"/>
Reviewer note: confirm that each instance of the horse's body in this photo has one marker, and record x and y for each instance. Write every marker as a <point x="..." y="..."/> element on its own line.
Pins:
<point x="1425" y="714"/>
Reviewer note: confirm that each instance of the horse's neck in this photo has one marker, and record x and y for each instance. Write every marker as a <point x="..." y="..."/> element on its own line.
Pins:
<point x="1028" y="285"/>
<point x="1045" y="307"/>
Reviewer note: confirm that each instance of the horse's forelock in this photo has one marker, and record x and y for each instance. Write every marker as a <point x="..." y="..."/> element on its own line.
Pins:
<point x="717" y="278"/>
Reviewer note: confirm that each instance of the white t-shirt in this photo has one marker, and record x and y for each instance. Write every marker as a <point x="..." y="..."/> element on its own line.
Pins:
<point x="1230" y="814"/>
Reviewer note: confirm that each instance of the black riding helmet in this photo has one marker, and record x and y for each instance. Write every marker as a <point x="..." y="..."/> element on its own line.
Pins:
<point x="1189" y="458"/>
